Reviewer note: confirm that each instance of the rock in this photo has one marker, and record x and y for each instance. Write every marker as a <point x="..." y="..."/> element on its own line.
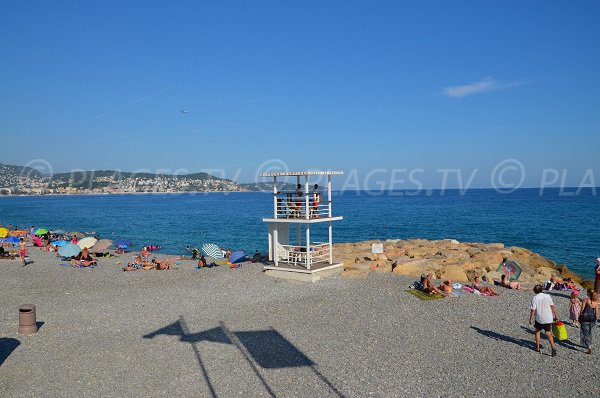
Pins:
<point x="546" y="272"/>
<point x="454" y="273"/>
<point x="414" y="268"/>
<point x="489" y="259"/>
<point x="490" y="276"/>
<point x="456" y="255"/>
<point x="422" y="252"/>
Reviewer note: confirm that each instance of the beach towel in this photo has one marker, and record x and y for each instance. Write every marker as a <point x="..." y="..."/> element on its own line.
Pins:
<point x="423" y="295"/>
<point x="476" y="292"/>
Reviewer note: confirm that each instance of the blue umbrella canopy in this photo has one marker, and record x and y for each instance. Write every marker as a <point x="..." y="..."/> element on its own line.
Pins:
<point x="12" y="239"/>
<point x="237" y="257"/>
<point x="123" y="243"/>
<point x="69" y="250"/>
<point x="59" y="243"/>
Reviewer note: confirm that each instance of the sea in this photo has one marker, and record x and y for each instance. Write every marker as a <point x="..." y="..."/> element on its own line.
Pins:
<point x="560" y="225"/>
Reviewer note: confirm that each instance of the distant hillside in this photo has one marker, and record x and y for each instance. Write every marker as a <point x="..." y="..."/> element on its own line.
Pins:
<point x="84" y="177"/>
<point x="7" y="170"/>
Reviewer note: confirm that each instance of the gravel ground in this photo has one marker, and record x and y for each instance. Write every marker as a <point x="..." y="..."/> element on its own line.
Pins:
<point x="222" y="333"/>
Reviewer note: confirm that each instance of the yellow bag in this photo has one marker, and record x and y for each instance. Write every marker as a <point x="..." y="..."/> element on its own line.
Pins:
<point x="559" y="331"/>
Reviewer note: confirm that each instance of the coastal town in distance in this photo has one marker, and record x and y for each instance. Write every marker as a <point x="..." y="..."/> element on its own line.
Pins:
<point x="17" y="180"/>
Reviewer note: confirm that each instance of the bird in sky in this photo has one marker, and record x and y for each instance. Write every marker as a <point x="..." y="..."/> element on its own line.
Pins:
<point x="184" y="111"/>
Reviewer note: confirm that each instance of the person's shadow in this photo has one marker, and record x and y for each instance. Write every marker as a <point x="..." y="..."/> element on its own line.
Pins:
<point x="7" y="346"/>
<point x="563" y="343"/>
<point x="502" y="337"/>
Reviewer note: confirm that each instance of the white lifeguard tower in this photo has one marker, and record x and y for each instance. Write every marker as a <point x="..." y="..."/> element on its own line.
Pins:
<point x="303" y="207"/>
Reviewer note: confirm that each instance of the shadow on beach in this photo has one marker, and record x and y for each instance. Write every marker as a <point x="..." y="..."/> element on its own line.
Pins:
<point x="563" y="343"/>
<point x="508" y="339"/>
<point x="261" y="350"/>
<point x="7" y="346"/>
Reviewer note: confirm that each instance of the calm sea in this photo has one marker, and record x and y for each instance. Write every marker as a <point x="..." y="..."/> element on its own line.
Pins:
<point x="561" y="227"/>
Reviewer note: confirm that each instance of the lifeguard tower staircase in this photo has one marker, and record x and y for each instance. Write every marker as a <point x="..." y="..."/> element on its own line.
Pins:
<point x="297" y="213"/>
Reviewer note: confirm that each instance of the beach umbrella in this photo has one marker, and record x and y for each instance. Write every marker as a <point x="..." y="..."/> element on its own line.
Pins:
<point x="237" y="257"/>
<point x="59" y="243"/>
<point x="40" y="231"/>
<point x="12" y="239"/>
<point x="69" y="250"/>
<point x="3" y="232"/>
<point x="510" y="268"/>
<point x="123" y="243"/>
<point x="87" y="242"/>
<point x="212" y="250"/>
<point x="101" y="245"/>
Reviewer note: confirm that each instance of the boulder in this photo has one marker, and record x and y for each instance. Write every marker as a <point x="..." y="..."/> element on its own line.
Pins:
<point x="489" y="259"/>
<point x="454" y="273"/>
<point x="422" y="252"/>
<point x="490" y="276"/>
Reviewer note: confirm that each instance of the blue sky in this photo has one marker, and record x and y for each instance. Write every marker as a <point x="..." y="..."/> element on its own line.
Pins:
<point x="331" y="84"/>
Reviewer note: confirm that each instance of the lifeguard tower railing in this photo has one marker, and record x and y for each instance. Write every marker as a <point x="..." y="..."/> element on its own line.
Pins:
<point x="288" y="204"/>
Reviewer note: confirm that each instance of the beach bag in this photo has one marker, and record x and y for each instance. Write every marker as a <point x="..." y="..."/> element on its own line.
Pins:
<point x="588" y="314"/>
<point x="559" y="331"/>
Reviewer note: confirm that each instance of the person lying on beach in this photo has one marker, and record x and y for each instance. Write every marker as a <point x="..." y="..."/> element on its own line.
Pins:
<point x="505" y="282"/>
<point x="119" y="250"/>
<point x="446" y="287"/>
<point x="161" y="264"/>
<point x="428" y="286"/>
<point x="476" y="285"/>
<point x="557" y="283"/>
<point x="84" y="259"/>
<point x="202" y="262"/>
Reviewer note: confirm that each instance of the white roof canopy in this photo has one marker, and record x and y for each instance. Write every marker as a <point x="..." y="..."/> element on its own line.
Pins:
<point x="301" y="173"/>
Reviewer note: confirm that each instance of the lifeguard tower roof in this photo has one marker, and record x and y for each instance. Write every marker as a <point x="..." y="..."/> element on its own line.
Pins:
<point x="302" y="173"/>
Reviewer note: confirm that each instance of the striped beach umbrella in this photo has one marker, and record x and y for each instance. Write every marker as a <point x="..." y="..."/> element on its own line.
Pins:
<point x="212" y="250"/>
<point x="69" y="250"/>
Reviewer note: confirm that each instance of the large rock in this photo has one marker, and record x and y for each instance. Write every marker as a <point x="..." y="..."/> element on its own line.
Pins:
<point x="422" y="252"/>
<point x="454" y="273"/>
<point x="490" y="276"/>
<point x="488" y="259"/>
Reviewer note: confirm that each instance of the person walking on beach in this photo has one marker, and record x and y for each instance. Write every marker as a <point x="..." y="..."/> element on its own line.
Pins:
<point x="597" y="280"/>
<point x="543" y="309"/>
<point x="587" y="319"/>
<point x="23" y="251"/>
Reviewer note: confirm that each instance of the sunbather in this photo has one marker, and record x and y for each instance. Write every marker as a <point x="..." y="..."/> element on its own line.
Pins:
<point x="446" y="287"/>
<point x="83" y="259"/>
<point x="428" y="286"/>
<point x="476" y="284"/>
<point x="505" y="282"/>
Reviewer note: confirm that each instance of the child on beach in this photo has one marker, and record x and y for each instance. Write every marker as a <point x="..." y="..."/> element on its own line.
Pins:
<point x="23" y="251"/>
<point x="574" y="309"/>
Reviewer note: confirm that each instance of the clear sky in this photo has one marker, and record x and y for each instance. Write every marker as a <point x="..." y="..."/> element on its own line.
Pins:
<point x="343" y="85"/>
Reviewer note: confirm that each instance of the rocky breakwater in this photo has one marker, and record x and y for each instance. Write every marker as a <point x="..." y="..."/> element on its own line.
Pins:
<point x="447" y="259"/>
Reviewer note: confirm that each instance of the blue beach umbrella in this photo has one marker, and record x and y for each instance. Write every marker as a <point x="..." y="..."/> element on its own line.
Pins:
<point x="12" y="239"/>
<point x="237" y="257"/>
<point x="123" y="243"/>
<point x="60" y="243"/>
<point x="69" y="250"/>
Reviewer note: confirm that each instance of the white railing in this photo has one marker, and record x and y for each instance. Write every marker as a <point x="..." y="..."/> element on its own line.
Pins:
<point x="297" y="255"/>
<point x="288" y="206"/>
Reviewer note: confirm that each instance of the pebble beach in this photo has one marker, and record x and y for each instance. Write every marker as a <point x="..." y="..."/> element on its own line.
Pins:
<point x="223" y="332"/>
